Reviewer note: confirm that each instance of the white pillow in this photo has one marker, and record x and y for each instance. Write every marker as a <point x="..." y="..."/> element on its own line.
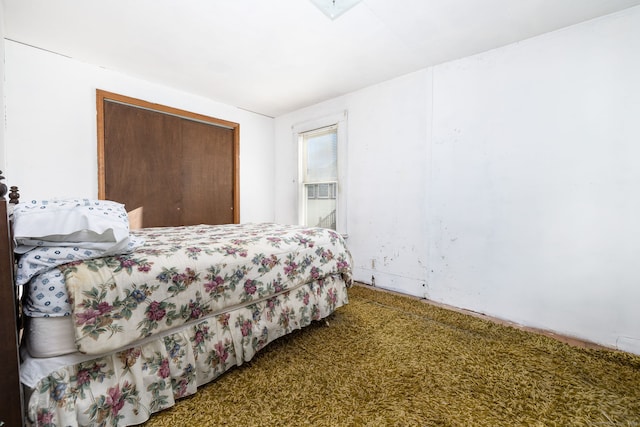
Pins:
<point x="90" y="224"/>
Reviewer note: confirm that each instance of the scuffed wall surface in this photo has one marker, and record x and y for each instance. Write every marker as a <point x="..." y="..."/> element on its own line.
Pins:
<point x="534" y="195"/>
<point x="387" y="178"/>
<point x="504" y="183"/>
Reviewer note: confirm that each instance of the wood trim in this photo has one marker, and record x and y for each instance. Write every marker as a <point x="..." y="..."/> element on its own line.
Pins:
<point x="102" y="95"/>
<point x="100" y="119"/>
<point x="236" y="175"/>
<point x="11" y="404"/>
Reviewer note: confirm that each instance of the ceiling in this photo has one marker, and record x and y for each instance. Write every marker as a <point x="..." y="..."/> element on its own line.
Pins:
<point x="276" y="56"/>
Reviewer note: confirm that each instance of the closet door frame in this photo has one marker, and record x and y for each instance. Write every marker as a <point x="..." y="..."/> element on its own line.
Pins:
<point x="104" y="96"/>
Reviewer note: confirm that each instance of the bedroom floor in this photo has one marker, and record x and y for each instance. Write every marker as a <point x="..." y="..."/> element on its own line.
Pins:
<point x="384" y="359"/>
<point x="576" y="342"/>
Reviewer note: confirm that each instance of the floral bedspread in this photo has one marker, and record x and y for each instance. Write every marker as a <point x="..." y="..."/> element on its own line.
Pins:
<point x="125" y="387"/>
<point x="184" y="274"/>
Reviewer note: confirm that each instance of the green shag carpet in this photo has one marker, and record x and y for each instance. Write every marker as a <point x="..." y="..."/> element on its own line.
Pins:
<point x="386" y="360"/>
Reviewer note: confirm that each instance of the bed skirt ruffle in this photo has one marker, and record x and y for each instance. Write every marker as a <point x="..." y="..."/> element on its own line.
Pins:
<point x="126" y="387"/>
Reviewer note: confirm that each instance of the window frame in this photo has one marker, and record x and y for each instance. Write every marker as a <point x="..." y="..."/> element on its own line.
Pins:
<point x="339" y="120"/>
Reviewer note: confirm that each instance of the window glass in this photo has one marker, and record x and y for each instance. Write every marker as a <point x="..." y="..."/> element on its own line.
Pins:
<point x="322" y="156"/>
<point x="320" y="176"/>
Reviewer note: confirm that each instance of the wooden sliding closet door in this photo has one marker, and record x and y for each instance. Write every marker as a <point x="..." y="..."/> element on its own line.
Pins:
<point x="181" y="170"/>
<point x="207" y="174"/>
<point x="141" y="162"/>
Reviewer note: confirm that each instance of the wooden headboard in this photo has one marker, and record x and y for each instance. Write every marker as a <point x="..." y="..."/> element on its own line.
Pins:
<point x="11" y="401"/>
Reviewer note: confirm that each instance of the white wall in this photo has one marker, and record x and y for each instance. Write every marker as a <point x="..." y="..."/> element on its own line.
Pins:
<point x="51" y="128"/>
<point x="387" y="153"/>
<point x="2" y="124"/>
<point x="535" y="203"/>
<point x="505" y="181"/>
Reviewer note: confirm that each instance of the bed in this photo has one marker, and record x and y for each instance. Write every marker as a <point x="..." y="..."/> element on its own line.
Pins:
<point x="121" y="326"/>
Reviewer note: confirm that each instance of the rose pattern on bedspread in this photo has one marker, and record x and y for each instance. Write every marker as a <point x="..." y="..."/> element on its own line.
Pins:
<point x="183" y="274"/>
<point x="125" y="387"/>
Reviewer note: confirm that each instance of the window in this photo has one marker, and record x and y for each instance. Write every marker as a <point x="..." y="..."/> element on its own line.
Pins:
<point x="319" y="174"/>
<point x="322" y="160"/>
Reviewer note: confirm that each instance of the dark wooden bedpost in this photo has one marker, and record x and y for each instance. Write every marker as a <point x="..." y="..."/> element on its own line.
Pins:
<point x="11" y="404"/>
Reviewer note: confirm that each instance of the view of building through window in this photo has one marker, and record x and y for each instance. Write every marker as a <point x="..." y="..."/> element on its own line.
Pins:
<point x="320" y="176"/>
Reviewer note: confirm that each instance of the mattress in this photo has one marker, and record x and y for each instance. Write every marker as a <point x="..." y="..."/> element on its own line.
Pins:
<point x="49" y="336"/>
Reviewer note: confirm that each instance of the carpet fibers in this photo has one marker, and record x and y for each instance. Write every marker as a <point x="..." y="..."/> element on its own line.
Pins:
<point x="390" y="360"/>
